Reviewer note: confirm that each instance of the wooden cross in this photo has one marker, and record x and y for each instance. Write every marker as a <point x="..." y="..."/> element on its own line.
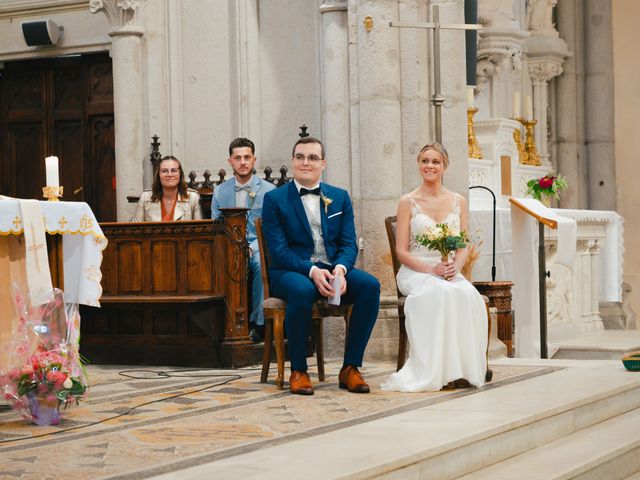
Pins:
<point x="34" y="248"/>
<point x="437" y="99"/>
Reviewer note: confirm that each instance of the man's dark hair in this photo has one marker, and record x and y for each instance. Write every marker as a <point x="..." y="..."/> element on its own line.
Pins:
<point x="305" y="140"/>
<point x="242" y="142"/>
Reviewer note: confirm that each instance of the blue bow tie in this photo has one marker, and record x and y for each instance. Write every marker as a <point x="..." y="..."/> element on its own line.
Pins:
<point x="313" y="191"/>
<point x="246" y="188"/>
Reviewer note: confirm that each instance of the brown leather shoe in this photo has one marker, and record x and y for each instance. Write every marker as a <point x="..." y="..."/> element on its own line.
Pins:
<point x="351" y="379"/>
<point x="299" y="383"/>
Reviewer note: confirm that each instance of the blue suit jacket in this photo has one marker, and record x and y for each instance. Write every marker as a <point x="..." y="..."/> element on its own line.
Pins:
<point x="224" y="196"/>
<point x="288" y="234"/>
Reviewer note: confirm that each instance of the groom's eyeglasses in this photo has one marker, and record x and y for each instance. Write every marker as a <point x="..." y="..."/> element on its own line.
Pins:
<point x="298" y="157"/>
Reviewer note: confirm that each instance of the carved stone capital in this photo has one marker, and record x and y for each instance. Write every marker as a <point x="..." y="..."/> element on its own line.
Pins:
<point x="499" y="49"/>
<point x="123" y="15"/>
<point x="543" y="71"/>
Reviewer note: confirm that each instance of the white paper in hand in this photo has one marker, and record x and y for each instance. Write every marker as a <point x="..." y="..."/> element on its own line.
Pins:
<point x="337" y="286"/>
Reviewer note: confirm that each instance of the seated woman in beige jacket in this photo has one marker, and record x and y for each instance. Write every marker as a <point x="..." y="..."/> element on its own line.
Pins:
<point x="169" y="198"/>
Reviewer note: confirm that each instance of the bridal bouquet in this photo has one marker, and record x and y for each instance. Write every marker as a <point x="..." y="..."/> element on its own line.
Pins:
<point x="45" y="371"/>
<point x="442" y="238"/>
<point x="544" y="188"/>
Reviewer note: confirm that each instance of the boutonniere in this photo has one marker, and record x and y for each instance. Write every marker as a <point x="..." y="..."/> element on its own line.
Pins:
<point x="252" y="198"/>
<point x="327" y="201"/>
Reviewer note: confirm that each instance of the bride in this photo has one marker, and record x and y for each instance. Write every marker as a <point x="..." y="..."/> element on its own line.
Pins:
<point x="446" y="319"/>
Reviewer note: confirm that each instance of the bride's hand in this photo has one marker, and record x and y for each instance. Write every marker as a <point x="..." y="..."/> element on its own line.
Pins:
<point x="445" y="270"/>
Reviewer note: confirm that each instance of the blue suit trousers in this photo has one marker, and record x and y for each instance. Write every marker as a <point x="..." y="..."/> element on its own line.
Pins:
<point x="300" y="293"/>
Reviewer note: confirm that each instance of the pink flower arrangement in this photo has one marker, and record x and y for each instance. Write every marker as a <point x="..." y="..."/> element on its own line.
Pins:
<point x="45" y="374"/>
<point x="45" y="371"/>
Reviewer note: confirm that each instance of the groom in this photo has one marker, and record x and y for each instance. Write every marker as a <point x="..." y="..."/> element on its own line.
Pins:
<point x="310" y="235"/>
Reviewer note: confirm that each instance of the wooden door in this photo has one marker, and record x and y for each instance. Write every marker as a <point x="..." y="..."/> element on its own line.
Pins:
<point x="63" y="107"/>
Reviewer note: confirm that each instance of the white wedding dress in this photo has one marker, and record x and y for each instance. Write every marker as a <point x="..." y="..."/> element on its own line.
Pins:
<point x="446" y="321"/>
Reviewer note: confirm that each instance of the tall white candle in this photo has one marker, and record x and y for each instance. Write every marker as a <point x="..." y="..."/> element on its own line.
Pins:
<point x="51" y="168"/>
<point x="528" y="107"/>
<point x="470" y="99"/>
<point x="516" y="104"/>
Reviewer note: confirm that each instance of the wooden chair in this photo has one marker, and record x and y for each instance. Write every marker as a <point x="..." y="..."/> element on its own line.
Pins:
<point x="390" y="225"/>
<point x="274" y="313"/>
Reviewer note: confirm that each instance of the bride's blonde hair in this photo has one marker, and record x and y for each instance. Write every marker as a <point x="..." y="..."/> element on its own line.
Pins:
<point x="438" y="147"/>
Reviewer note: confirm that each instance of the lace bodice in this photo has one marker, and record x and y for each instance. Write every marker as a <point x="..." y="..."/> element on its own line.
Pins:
<point x="420" y="221"/>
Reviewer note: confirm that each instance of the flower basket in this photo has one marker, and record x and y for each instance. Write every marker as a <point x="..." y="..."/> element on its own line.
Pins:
<point x="44" y="371"/>
<point x="632" y="361"/>
<point x="43" y="412"/>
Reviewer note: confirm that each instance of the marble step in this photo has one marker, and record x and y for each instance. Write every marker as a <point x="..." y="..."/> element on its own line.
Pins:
<point x="635" y="476"/>
<point x="607" y="450"/>
<point x="449" y="439"/>
<point x="609" y="344"/>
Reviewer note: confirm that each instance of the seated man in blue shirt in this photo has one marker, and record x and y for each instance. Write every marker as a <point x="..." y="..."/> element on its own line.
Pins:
<point x="245" y="189"/>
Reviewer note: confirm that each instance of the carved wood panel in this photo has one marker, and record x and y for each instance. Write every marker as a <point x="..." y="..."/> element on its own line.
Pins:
<point x="70" y="101"/>
<point x="26" y="140"/>
<point x="129" y="264"/>
<point x="199" y="261"/>
<point x="164" y="268"/>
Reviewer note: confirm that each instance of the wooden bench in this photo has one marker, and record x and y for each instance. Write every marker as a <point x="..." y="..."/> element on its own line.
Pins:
<point x="174" y="293"/>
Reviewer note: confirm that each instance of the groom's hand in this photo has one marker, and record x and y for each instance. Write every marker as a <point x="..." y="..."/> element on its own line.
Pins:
<point x="322" y="278"/>
<point x="338" y="271"/>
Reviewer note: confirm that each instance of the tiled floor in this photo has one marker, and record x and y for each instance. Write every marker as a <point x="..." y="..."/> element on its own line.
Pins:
<point x="141" y="422"/>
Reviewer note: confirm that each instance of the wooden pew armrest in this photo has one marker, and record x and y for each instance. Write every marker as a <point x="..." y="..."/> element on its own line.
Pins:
<point x="158" y="298"/>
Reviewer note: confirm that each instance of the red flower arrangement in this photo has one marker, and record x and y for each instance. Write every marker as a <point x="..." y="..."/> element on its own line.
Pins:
<point x="546" y="187"/>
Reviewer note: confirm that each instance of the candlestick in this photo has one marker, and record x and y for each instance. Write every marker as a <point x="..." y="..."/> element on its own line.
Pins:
<point x="516" y="104"/>
<point x="52" y="194"/>
<point x="528" y="108"/>
<point x="472" y="142"/>
<point x="51" y="168"/>
<point x="532" y="155"/>
<point x="470" y="97"/>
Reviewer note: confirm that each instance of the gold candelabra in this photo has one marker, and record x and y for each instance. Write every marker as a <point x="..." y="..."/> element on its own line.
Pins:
<point x="472" y="141"/>
<point x="52" y="194"/>
<point x="527" y="152"/>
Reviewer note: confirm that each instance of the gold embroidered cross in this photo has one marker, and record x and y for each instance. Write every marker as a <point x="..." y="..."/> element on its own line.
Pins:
<point x="17" y="222"/>
<point x="35" y="247"/>
<point x="62" y="222"/>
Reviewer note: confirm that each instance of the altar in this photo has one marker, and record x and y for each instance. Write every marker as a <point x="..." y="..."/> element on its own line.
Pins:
<point x="573" y="295"/>
<point x="75" y="250"/>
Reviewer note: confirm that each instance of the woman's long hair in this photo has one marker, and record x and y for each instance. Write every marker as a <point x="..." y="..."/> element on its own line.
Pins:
<point x="156" y="188"/>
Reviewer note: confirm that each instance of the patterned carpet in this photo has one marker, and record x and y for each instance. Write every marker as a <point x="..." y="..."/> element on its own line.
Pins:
<point x="142" y="422"/>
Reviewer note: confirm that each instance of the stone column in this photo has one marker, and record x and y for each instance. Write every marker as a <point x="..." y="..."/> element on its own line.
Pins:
<point x="378" y="122"/>
<point x="454" y="88"/>
<point x="246" y="85"/>
<point x="541" y="71"/>
<point x="500" y="49"/>
<point x="126" y="53"/>
<point x="599" y="111"/>
<point x="335" y="92"/>
<point x="546" y="52"/>
<point x="569" y="107"/>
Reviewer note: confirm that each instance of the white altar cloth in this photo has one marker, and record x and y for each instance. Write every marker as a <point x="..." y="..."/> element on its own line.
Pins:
<point x="611" y="253"/>
<point x="83" y="243"/>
